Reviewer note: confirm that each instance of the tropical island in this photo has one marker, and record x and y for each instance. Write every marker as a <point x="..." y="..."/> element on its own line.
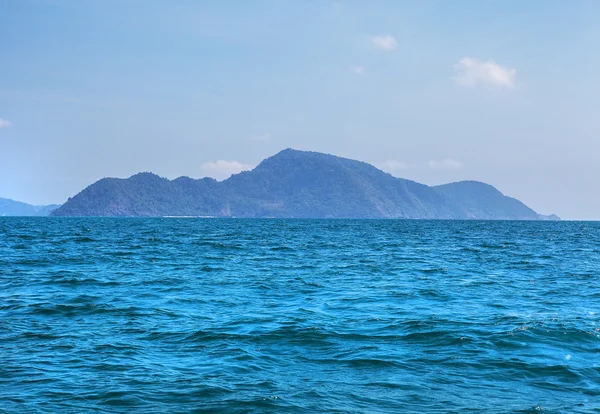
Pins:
<point x="296" y="184"/>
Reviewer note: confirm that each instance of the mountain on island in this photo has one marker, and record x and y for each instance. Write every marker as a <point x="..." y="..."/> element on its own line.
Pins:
<point x="297" y="184"/>
<point x="16" y="208"/>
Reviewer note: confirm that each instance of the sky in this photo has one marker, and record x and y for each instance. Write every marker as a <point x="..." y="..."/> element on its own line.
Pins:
<point x="505" y="92"/>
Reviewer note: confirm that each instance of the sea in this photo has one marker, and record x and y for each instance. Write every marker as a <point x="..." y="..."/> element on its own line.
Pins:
<point x="191" y="315"/>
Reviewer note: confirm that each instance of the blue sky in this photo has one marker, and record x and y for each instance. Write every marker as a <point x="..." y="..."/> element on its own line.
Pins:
<point x="435" y="91"/>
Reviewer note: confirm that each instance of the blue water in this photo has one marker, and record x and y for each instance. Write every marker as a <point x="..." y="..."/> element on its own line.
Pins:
<point x="298" y="316"/>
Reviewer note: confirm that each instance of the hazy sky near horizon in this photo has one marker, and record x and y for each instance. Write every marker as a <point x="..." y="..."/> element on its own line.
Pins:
<point x="505" y="92"/>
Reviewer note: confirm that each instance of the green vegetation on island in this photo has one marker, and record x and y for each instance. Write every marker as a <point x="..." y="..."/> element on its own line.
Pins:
<point x="296" y="184"/>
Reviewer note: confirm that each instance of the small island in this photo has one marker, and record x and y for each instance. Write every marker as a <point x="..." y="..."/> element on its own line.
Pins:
<point x="296" y="184"/>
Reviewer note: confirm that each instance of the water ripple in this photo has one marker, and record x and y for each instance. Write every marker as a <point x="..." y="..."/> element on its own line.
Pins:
<point x="298" y="316"/>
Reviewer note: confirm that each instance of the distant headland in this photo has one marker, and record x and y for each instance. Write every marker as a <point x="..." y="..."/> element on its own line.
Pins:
<point x="10" y="207"/>
<point x="296" y="184"/>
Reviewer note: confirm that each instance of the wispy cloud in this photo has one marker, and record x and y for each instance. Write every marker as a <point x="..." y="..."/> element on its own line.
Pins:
<point x="261" y="137"/>
<point x="222" y="169"/>
<point x="358" y="70"/>
<point x="4" y="123"/>
<point x="393" y="166"/>
<point x="385" y="42"/>
<point x="447" y="164"/>
<point x="472" y="72"/>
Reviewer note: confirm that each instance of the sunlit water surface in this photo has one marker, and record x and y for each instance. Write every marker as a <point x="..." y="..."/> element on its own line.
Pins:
<point x="298" y="316"/>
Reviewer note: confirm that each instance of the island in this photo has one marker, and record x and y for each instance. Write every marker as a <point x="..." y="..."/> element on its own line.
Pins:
<point x="296" y="184"/>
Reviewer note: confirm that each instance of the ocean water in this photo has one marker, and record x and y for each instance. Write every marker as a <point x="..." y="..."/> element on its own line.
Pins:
<point x="298" y="316"/>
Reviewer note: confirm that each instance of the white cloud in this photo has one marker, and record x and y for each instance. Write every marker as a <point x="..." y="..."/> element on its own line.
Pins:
<point x="5" y="123"/>
<point x="472" y="72"/>
<point x="447" y="164"/>
<point x="222" y="169"/>
<point x="358" y="70"/>
<point x="262" y="137"/>
<point x="392" y="166"/>
<point x="386" y="42"/>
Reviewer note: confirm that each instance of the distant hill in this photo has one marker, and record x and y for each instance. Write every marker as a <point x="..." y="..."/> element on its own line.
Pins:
<point x="295" y="184"/>
<point x="476" y="200"/>
<point x="16" y="208"/>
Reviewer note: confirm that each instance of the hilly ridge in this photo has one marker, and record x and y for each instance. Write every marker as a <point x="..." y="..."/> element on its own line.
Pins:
<point x="298" y="184"/>
<point x="10" y="207"/>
